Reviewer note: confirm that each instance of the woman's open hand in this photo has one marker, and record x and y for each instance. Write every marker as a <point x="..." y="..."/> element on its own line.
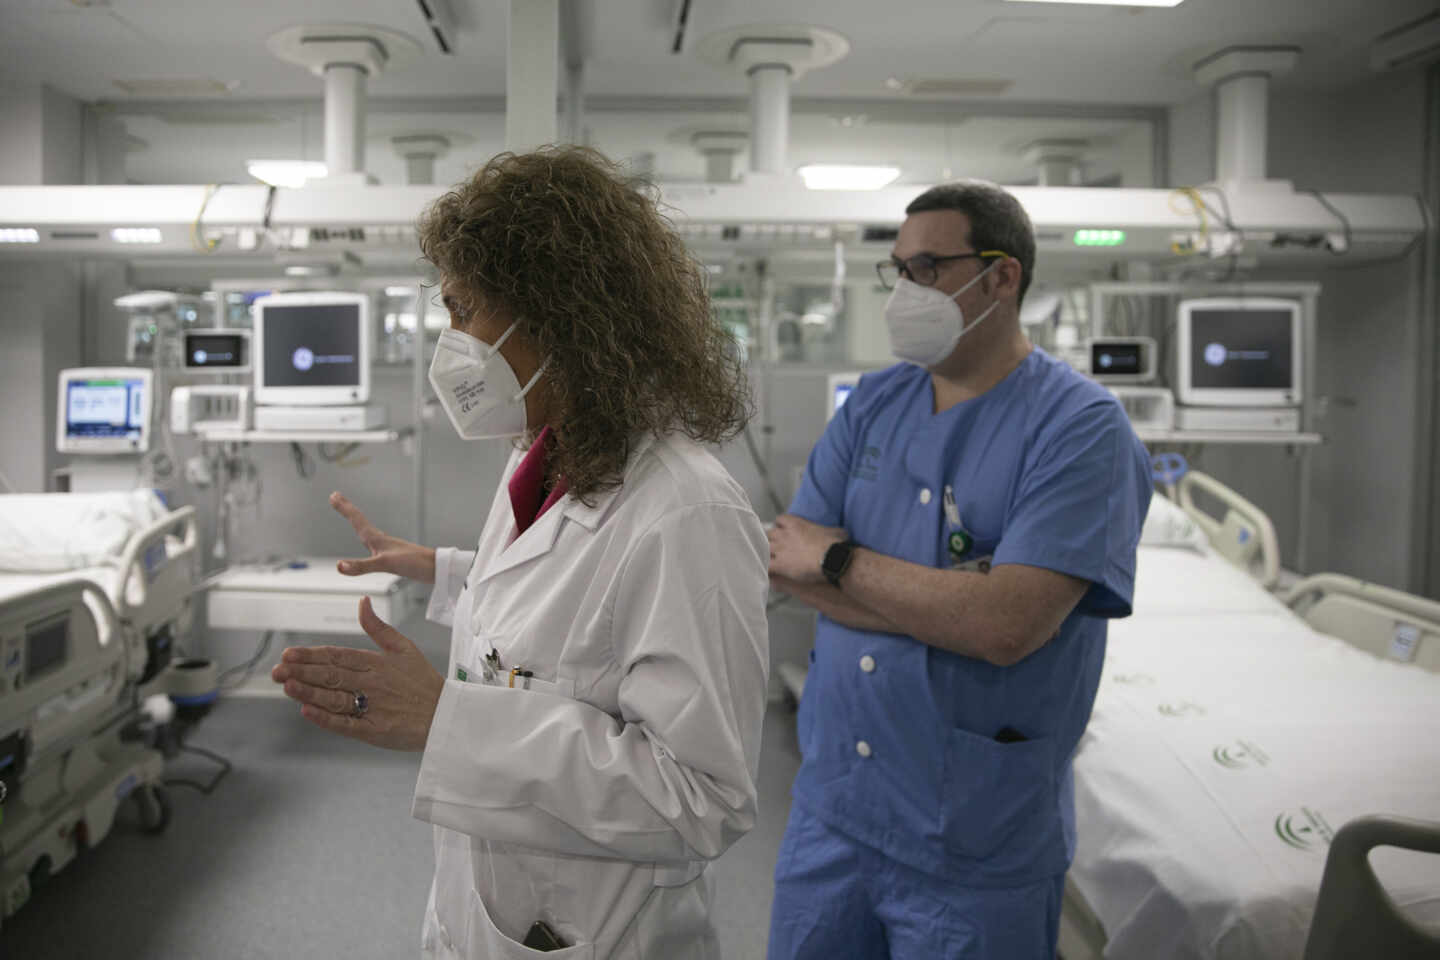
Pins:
<point x="387" y="554"/>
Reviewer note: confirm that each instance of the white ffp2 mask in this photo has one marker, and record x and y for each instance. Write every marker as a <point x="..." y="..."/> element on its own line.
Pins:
<point x="925" y="324"/>
<point x="477" y="387"/>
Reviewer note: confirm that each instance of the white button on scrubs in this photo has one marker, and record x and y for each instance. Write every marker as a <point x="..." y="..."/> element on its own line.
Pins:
<point x="862" y="748"/>
<point x="925" y="496"/>
<point x="867" y="663"/>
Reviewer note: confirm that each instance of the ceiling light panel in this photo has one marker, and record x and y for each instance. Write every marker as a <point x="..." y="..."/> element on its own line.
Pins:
<point x="826" y="176"/>
<point x="1112" y="3"/>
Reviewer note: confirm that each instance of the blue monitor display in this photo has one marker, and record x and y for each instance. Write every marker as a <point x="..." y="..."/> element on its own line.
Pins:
<point x="105" y="409"/>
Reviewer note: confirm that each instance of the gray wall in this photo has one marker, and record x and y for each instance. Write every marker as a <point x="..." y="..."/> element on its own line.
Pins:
<point x="40" y="325"/>
<point x="1364" y="139"/>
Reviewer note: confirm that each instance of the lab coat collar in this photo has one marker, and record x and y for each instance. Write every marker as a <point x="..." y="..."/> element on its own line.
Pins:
<point x="591" y="517"/>
<point x="540" y="538"/>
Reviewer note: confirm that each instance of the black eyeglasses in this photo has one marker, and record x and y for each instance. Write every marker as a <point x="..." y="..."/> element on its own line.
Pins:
<point x="924" y="268"/>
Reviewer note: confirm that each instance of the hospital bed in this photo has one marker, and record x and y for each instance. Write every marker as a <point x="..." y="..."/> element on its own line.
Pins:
<point x="94" y="594"/>
<point x="1234" y="732"/>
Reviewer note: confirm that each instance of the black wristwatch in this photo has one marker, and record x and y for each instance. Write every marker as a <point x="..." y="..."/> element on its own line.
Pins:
<point x="837" y="561"/>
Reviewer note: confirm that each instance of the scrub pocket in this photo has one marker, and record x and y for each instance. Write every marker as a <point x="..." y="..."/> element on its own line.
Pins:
<point x="992" y="789"/>
<point x="484" y="939"/>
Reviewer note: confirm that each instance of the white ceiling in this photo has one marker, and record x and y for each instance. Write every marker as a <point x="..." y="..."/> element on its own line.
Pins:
<point x="1052" y="52"/>
<point x="1075" y="72"/>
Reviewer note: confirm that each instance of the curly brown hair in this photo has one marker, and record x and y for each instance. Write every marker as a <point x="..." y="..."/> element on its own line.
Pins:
<point x="604" y="287"/>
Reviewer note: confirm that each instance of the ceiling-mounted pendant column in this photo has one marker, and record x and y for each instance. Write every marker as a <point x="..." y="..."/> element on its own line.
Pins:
<point x="1241" y="78"/>
<point x="772" y="57"/>
<point x="420" y="151"/>
<point x="532" y="63"/>
<point x="1057" y="162"/>
<point x="719" y="148"/>
<point x="344" y="118"/>
<point x="346" y="56"/>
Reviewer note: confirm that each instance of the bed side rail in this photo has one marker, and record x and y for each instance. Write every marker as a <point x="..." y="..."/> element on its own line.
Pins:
<point x="155" y="582"/>
<point x="1380" y="620"/>
<point x="1244" y="535"/>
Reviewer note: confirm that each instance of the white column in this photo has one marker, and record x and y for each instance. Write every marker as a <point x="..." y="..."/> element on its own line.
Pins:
<point x="769" y="117"/>
<point x="419" y="169"/>
<point x="574" y="103"/>
<point x="1059" y="171"/>
<point x="532" y="74"/>
<point x="1241" y="131"/>
<point x="719" y="166"/>
<point x="344" y="118"/>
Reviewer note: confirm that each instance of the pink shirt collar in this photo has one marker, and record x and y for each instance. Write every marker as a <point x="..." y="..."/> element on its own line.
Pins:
<point x="527" y="485"/>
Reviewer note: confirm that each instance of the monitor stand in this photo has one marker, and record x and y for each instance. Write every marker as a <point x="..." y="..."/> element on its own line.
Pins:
<point x="104" y="474"/>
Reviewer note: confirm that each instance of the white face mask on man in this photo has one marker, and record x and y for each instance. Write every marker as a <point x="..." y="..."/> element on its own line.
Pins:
<point x="925" y="324"/>
<point x="477" y="387"/>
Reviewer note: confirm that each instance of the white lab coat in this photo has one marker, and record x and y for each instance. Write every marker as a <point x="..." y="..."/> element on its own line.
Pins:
<point x="592" y="799"/>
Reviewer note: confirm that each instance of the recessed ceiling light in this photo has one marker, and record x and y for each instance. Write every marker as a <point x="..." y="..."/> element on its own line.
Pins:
<point x="830" y="176"/>
<point x="285" y="173"/>
<point x="175" y="86"/>
<point x="19" y="235"/>
<point x="1113" y="3"/>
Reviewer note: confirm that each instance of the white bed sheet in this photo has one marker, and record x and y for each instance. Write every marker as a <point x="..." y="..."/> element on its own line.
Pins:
<point x="52" y="532"/>
<point x="14" y="584"/>
<point x="1224" y="747"/>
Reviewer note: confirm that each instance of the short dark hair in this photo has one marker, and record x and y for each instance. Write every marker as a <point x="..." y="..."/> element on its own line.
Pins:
<point x="997" y="221"/>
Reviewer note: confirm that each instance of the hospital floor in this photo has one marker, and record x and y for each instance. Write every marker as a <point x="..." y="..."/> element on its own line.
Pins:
<point x="308" y="849"/>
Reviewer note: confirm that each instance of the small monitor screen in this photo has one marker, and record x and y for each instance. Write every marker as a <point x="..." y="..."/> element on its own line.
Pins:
<point x="105" y="409"/>
<point x="312" y="345"/>
<point x="216" y="350"/>
<point x="46" y="645"/>
<point x="1241" y="349"/>
<point x="1116" y="359"/>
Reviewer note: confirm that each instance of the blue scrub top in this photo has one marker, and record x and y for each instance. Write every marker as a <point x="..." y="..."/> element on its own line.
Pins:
<point x="899" y="739"/>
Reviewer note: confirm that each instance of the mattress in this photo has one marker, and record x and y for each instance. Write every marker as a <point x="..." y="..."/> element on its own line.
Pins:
<point x="14" y="584"/>
<point x="52" y="532"/>
<point x="1228" y="742"/>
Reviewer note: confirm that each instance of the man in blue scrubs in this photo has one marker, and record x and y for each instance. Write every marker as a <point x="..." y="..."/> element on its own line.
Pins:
<point x="966" y="525"/>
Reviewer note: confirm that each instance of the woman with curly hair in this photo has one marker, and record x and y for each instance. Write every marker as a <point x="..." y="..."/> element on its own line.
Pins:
<point x="596" y="736"/>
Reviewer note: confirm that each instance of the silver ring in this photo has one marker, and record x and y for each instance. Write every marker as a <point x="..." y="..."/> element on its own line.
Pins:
<point x="361" y="704"/>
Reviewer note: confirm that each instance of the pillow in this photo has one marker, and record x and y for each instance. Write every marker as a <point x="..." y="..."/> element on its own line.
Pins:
<point x="1168" y="525"/>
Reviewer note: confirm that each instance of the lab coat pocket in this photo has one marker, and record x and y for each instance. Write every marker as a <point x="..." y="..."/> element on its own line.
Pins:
<point x="993" y="789"/>
<point x="484" y="940"/>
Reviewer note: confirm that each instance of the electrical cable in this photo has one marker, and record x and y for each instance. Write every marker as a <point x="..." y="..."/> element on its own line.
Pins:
<point x="1344" y="221"/>
<point x="248" y="667"/>
<point x="205" y="788"/>
<point x="760" y="467"/>
<point x="304" y="465"/>
<point x="204" y="246"/>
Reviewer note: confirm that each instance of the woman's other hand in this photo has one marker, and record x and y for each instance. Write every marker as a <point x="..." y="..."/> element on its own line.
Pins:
<point x="385" y="697"/>
<point x="387" y="554"/>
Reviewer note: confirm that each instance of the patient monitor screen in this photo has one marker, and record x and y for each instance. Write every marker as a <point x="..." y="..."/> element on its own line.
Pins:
<point x="1241" y="349"/>
<point x="312" y="345"/>
<point x="105" y="409"/>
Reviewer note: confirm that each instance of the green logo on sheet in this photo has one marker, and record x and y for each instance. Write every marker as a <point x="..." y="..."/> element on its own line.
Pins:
<point x="1304" y="830"/>
<point x="1184" y="708"/>
<point x="1134" y="679"/>
<point x="1240" y="755"/>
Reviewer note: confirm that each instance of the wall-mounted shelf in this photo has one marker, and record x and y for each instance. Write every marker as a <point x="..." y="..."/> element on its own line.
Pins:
<point x="1253" y="438"/>
<point x="299" y="436"/>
